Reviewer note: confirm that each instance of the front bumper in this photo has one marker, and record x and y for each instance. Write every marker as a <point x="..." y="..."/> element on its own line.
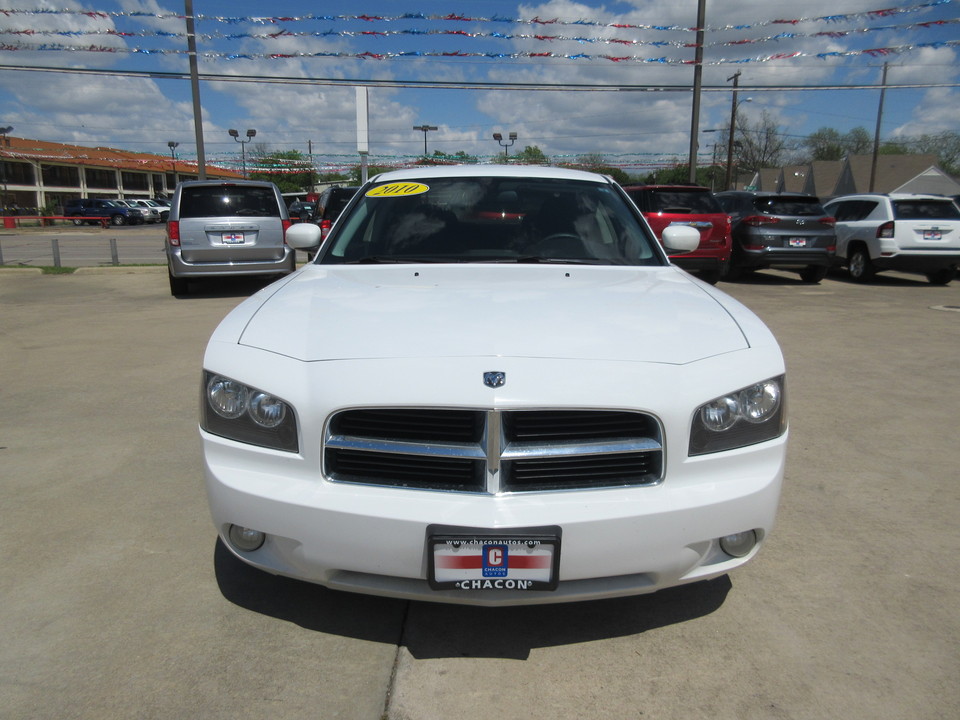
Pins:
<point x="615" y="542"/>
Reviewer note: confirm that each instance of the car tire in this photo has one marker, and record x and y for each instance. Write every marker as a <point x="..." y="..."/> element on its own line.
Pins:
<point x="118" y="220"/>
<point x="813" y="274"/>
<point x="711" y="277"/>
<point x="943" y="276"/>
<point x="178" y="286"/>
<point x="860" y="266"/>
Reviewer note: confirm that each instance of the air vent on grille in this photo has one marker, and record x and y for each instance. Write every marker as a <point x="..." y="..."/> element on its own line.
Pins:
<point x="454" y="449"/>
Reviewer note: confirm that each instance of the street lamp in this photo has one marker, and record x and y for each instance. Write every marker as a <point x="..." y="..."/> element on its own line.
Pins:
<point x="3" y="169"/>
<point x="425" y="129"/>
<point x="505" y="145"/>
<point x="243" y="155"/>
<point x="173" y="156"/>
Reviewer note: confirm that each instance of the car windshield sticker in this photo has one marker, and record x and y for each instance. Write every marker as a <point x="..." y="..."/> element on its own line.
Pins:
<point x="404" y="189"/>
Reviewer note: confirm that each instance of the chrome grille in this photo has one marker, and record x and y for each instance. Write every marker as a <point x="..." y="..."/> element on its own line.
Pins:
<point x="493" y="451"/>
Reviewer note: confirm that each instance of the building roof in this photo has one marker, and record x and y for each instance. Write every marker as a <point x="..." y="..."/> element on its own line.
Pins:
<point x="102" y="157"/>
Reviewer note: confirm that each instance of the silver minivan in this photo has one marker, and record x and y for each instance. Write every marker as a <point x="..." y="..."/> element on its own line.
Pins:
<point x="226" y="227"/>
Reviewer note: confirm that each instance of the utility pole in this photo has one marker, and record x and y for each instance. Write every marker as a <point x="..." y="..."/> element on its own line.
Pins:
<point x="195" y="88"/>
<point x="697" y="83"/>
<point x="876" y="135"/>
<point x="733" y="129"/>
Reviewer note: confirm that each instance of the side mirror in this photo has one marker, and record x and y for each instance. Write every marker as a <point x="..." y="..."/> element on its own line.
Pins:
<point x="680" y="239"/>
<point x="303" y="236"/>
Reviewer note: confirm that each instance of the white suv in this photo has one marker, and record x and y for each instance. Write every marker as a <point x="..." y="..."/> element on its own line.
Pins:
<point x="910" y="233"/>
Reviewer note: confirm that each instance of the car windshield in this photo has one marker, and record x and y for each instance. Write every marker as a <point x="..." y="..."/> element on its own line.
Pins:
<point x="789" y="206"/>
<point x="491" y="219"/>
<point x="925" y="210"/>
<point x="228" y="200"/>
<point x="694" y="202"/>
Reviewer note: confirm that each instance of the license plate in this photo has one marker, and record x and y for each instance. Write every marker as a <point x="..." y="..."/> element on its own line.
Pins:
<point x="232" y="238"/>
<point x="483" y="559"/>
<point x="931" y="235"/>
<point x="797" y="242"/>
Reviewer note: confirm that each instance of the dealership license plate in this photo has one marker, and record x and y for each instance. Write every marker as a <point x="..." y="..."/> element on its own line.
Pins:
<point x="931" y="235"/>
<point x="483" y="559"/>
<point x="232" y="238"/>
<point x="797" y="242"/>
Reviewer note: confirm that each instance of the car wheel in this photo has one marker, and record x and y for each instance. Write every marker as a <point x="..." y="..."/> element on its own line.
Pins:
<point x="178" y="286"/>
<point x="78" y="222"/>
<point x="711" y="277"/>
<point x="860" y="267"/>
<point x="943" y="276"/>
<point x="813" y="273"/>
<point x="118" y="220"/>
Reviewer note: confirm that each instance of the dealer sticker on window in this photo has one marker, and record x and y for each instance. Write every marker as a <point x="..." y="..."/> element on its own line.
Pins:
<point x="483" y="559"/>
<point x="398" y="189"/>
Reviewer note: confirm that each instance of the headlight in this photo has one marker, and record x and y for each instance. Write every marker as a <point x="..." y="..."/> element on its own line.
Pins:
<point x="745" y="417"/>
<point x="238" y="412"/>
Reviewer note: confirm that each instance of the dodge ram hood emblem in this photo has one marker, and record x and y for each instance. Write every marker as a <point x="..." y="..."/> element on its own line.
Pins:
<point x="494" y="379"/>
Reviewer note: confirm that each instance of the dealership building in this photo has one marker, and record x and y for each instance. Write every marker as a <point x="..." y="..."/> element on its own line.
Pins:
<point x="38" y="177"/>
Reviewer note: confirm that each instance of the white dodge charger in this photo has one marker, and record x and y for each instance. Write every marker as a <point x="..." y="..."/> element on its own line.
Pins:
<point x="491" y="387"/>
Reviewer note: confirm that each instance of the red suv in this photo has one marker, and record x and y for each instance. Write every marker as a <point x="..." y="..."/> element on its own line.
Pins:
<point x="664" y="205"/>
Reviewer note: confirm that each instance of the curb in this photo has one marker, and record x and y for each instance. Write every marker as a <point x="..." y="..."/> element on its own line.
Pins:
<point x="126" y="269"/>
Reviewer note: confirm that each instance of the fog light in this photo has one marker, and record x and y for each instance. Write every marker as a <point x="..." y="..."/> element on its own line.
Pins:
<point x="738" y="544"/>
<point x="245" y="539"/>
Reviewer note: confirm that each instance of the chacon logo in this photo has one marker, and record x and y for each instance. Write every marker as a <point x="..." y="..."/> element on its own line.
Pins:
<point x="494" y="379"/>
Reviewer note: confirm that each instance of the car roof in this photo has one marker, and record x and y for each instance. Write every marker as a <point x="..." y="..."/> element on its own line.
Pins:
<point x="892" y="196"/>
<point x="507" y="171"/>
<point x="672" y="188"/>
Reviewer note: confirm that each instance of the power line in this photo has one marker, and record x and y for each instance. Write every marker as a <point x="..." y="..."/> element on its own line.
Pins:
<point x="463" y="85"/>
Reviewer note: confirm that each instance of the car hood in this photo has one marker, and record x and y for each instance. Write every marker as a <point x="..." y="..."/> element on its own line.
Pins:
<point x="649" y="314"/>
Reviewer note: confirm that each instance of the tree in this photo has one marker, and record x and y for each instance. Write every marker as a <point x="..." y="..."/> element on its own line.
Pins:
<point x="762" y="144"/>
<point x="530" y="155"/>
<point x="441" y="158"/>
<point x="288" y="169"/>
<point x="828" y="144"/>
<point x="597" y="163"/>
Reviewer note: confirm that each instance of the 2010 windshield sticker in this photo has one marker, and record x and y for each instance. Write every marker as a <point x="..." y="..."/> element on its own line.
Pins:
<point x="400" y="189"/>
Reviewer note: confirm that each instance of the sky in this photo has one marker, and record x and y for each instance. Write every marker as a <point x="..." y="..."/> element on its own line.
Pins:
<point x="593" y="64"/>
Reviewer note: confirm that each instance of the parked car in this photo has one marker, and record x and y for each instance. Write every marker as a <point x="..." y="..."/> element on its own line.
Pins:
<point x="150" y="214"/>
<point x="301" y="210"/>
<point x="491" y="387"/>
<point x="96" y="209"/>
<point x="220" y="228"/>
<point x="152" y="211"/>
<point x="910" y="233"/>
<point x="666" y="205"/>
<point x="330" y="204"/>
<point x="779" y="230"/>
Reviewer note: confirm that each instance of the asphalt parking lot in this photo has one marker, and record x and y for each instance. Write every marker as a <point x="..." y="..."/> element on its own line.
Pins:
<point x="118" y="602"/>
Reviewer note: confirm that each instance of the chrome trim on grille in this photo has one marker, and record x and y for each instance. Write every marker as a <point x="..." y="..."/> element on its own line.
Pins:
<point x="494" y="451"/>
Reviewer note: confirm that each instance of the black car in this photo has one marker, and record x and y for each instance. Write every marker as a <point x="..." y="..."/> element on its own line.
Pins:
<point x="97" y="209"/>
<point x="329" y="206"/>
<point x="301" y="210"/>
<point x="780" y="230"/>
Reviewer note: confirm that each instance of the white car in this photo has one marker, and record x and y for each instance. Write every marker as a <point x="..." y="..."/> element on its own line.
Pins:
<point x="491" y="387"/>
<point x="899" y="231"/>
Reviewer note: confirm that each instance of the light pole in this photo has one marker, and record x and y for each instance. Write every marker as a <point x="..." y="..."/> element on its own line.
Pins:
<point x="505" y="145"/>
<point x="734" y="106"/>
<point x="425" y="129"/>
<point x="173" y="156"/>
<point x="243" y="155"/>
<point x="3" y="166"/>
